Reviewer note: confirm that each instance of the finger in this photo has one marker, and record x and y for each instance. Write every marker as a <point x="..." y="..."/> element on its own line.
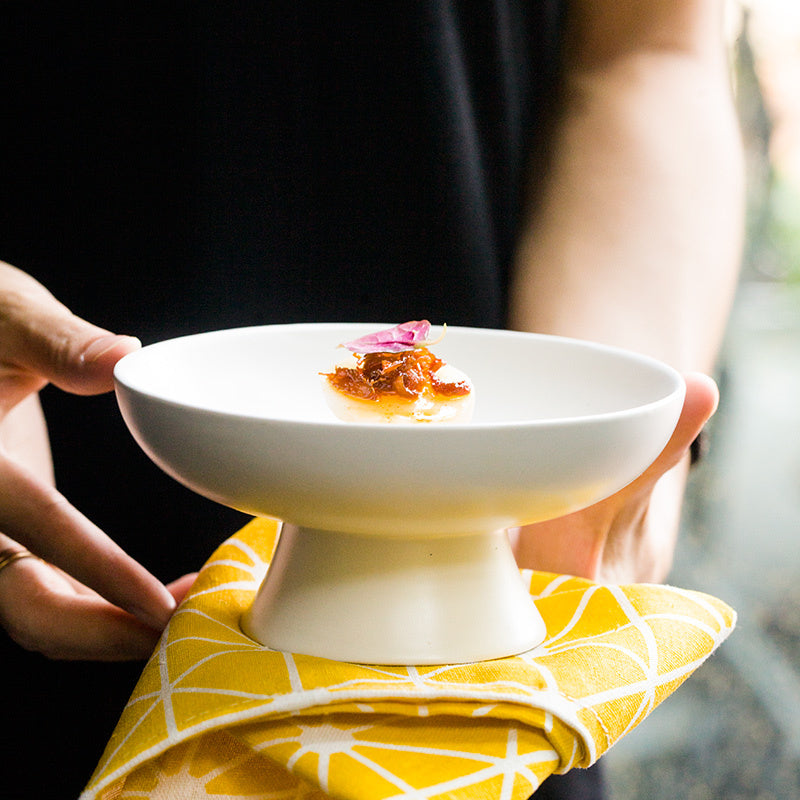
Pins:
<point x="699" y="405"/>
<point x="42" y="613"/>
<point x="24" y="437"/>
<point x="576" y="543"/>
<point x="42" y="336"/>
<point x="180" y="588"/>
<point x="39" y="518"/>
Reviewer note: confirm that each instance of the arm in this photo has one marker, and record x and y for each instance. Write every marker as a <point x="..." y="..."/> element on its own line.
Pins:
<point x="633" y="239"/>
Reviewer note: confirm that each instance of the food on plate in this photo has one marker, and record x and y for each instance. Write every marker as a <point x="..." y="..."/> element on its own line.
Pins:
<point x="392" y="376"/>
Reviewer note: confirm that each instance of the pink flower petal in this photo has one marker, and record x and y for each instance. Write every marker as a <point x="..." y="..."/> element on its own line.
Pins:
<point x="392" y="340"/>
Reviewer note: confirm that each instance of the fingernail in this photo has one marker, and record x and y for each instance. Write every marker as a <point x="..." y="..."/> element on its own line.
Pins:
<point x="99" y="347"/>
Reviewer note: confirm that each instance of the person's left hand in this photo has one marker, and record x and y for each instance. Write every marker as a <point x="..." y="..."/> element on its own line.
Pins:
<point x="630" y="536"/>
<point x="87" y="598"/>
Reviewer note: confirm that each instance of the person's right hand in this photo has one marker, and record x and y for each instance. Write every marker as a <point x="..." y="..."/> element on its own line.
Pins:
<point x="85" y="598"/>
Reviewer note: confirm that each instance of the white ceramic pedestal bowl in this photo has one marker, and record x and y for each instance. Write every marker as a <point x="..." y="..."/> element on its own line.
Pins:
<point x="392" y="549"/>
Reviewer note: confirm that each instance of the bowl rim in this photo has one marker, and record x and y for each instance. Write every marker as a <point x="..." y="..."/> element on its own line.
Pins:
<point x="124" y="382"/>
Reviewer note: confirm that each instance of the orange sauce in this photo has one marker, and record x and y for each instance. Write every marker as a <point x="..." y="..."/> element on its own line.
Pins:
<point x="404" y="375"/>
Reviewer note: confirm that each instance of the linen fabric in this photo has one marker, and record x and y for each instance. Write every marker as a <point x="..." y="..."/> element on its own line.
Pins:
<point x="216" y="714"/>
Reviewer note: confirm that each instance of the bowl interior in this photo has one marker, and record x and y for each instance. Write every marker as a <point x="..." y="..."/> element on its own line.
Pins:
<point x="273" y="372"/>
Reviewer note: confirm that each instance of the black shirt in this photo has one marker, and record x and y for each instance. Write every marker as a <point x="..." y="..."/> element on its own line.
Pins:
<point x="169" y="168"/>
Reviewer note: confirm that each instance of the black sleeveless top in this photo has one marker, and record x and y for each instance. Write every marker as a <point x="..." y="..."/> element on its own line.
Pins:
<point x="169" y="168"/>
<point x="178" y="167"/>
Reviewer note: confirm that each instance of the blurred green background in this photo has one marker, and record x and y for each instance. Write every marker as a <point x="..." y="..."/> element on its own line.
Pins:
<point x="733" y="730"/>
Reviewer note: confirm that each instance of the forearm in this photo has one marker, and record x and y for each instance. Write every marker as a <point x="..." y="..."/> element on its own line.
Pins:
<point x="635" y="233"/>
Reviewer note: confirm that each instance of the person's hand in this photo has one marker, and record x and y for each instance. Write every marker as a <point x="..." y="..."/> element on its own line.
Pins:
<point x="83" y="598"/>
<point x="631" y="535"/>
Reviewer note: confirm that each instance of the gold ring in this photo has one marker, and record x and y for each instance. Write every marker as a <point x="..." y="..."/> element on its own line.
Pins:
<point x="8" y="557"/>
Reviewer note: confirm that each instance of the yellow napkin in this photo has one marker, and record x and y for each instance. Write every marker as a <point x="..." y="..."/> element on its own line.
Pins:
<point x="217" y="715"/>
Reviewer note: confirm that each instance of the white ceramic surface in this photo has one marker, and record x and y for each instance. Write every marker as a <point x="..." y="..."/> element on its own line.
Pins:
<point x="238" y="416"/>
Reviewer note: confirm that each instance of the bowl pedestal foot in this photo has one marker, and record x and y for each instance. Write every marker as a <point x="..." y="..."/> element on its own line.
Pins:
<point x="394" y="599"/>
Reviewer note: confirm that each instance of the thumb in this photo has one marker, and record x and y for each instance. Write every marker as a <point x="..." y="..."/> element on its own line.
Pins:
<point x="42" y="336"/>
<point x="702" y="398"/>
